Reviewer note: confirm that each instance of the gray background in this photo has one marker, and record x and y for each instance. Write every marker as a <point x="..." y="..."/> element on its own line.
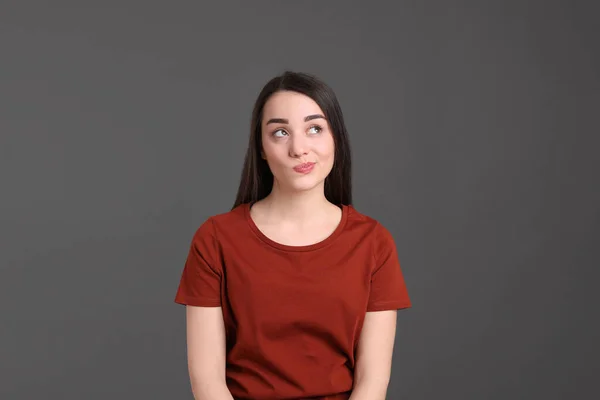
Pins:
<point x="475" y="133"/>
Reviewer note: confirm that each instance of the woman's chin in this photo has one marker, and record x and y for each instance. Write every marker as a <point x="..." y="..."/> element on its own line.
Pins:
<point x="303" y="185"/>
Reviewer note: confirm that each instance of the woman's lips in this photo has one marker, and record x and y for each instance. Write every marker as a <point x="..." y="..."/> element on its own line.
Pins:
<point x="304" y="168"/>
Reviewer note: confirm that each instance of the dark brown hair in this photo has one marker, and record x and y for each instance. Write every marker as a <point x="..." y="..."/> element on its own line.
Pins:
<point x="256" y="181"/>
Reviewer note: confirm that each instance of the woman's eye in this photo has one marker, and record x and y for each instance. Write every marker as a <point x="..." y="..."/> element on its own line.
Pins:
<point x="276" y="133"/>
<point x="316" y="129"/>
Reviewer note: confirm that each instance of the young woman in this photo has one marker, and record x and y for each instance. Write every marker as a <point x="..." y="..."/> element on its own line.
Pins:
<point x="292" y="294"/>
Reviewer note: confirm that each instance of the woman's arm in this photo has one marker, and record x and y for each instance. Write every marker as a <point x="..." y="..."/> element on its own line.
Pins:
<point x="206" y="353"/>
<point x="374" y="356"/>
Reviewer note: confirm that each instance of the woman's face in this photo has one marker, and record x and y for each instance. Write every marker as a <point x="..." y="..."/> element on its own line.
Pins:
<point x="297" y="141"/>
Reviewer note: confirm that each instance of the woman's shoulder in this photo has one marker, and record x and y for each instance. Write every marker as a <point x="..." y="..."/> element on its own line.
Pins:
<point x="232" y="220"/>
<point x="357" y="216"/>
<point x="368" y="222"/>
<point x="236" y="214"/>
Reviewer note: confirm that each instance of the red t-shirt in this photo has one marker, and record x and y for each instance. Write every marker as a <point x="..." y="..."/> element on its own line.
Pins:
<point x="293" y="314"/>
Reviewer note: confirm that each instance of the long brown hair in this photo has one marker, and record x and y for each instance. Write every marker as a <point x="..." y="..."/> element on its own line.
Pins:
<point x="256" y="180"/>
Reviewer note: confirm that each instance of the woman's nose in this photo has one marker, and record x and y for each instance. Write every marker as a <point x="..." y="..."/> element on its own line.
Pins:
<point x="298" y="146"/>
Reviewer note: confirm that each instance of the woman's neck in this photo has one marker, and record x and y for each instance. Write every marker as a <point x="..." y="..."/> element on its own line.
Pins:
<point x="302" y="207"/>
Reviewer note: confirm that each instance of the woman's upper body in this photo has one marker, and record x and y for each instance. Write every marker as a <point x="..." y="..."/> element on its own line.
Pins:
<point x="293" y="315"/>
<point x="292" y="294"/>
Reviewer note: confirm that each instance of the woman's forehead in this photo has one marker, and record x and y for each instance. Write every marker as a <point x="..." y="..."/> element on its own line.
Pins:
<point x="290" y="105"/>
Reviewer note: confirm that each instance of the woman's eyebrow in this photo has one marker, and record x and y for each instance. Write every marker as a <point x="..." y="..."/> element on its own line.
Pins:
<point x="314" y="116"/>
<point x="285" y="121"/>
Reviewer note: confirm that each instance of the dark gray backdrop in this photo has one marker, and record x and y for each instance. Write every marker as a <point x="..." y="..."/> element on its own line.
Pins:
<point x="475" y="134"/>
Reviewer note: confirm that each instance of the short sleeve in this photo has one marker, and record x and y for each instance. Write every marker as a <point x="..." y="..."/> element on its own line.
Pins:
<point x="388" y="289"/>
<point x="200" y="283"/>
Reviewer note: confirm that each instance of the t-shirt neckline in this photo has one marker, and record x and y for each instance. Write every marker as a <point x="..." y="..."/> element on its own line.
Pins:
<point x="338" y="230"/>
